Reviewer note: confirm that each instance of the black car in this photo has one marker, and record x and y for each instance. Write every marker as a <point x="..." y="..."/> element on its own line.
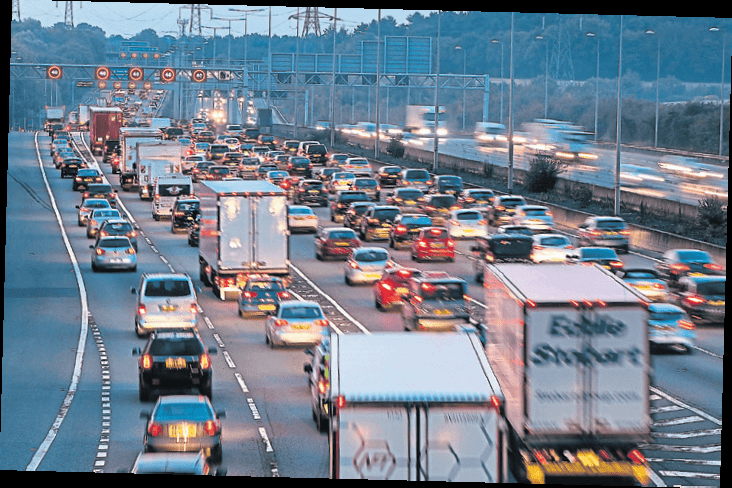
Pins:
<point x="343" y="200"/>
<point x="500" y="248"/>
<point x="447" y="184"/>
<point x="71" y="166"/>
<point x="100" y="190"/>
<point x="352" y="217"/>
<point x="702" y="297"/>
<point x="310" y="191"/>
<point x="184" y="212"/>
<point x="377" y="221"/>
<point x="174" y="359"/>
<point x="317" y="153"/>
<point x="388" y="176"/>
<point x="300" y="166"/>
<point x="194" y="232"/>
<point x="263" y="169"/>
<point x="85" y="176"/>
<point x="438" y="207"/>
<point x="406" y="227"/>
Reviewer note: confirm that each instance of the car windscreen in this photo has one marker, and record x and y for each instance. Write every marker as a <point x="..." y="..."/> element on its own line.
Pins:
<point x="391" y="171"/>
<point x="341" y="234"/>
<point x="105" y="214"/>
<point x="300" y="161"/>
<point x="183" y="347"/>
<point x="534" y="212"/>
<point x="300" y="211"/>
<point x="416" y="221"/>
<point x="711" y="288"/>
<point x="175" y="189"/>
<point x="118" y="227"/>
<point x="189" y="207"/>
<point x="511" y="246"/>
<point x="354" y="197"/>
<point x="481" y="195"/>
<point x="611" y="224"/>
<point x="371" y="256"/>
<point x="468" y="216"/>
<point x="342" y="176"/>
<point x="442" y="201"/>
<point x="554" y="241"/>
<point x="107" y="243"/>
<point x="386" y="213"/>
<point x="317" y="149"/>
<point x="99" y="189"/>
<point x="167" y="288"/>
<point x="667" y="315"/>
<point x="441" y="291"/>
<point x="197" y="412"/>
<point x="312" y="185"/>
<point x="96" y="204"/>
<point x="416" y="174"/>
<point x="640" y="274"/>
<point x="366" y="183"/>
<point x="409" y="194"/>
<point x="301" y="313"/>
<point x="264" y="286"/>
<point x="451" y="180"/>
<point x="512" y="202"/>
<point x="598" y="253"/>
<point x="693" y="257"/>
<point x="87" y="172"/>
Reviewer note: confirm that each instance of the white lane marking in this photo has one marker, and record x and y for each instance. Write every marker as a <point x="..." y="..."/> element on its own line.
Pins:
<point x="218" y="340"/>
<point x="263" y="433"/>
<point x="228" y="359"/>
<point x="690" y="474"/>
<point x="698" y="462"/>
<point x="333" y="302"/>
<point x="713" y="354"/>
<point x="332" y="325"/>
<point x="669" y="408"/>
<point x="697" y="411"/>
<point x="253" y="408"/>
<point x="240" y="380"/>
<point x="678" y="421"/>
<point x="706" y="449"/>
<point x="42" y="450"/>
<point x="687" y="435"/>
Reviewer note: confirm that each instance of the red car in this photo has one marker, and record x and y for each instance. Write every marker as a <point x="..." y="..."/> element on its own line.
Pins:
<point x="392" y="286"/>
<point x="433" y="243"/>
<point x="335" y="241"/>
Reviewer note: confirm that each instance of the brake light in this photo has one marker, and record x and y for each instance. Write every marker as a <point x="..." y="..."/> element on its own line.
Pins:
<point x="78" y="178"/>
<point x="616" y="264"/>
<point x="141" y="309"/>
<point x="450" y="243"/>
<point x="100" y="251"/>
<point x="280" y="322"/>
<point x="482" y="222"/>
<point x="147" y="361"/>
<point x="538" y="248"/>
<point x="713" y="266"/>
<point x="658" y="286"/>
<point x="154" y="429"/>
<point x="695" y="300"/>
<point x="132" y="234"/>
<point x="321" y="322"/>
<point x="283" y="294"/>
<point x="204" y="361"/>
<point x="103" y="233"/>
<point x="250" y="294"/>
<point x="193" y="308"/>
<point x="624" y="232"/>
<point x="322" y="387"/>
<point x="637" y="457"/>
<point x="130" y="250"/>
<point x="455" y="222"/>
<point x="685" y="324"/>
<point x="211" y="427"/>
<point x="353" y="264"/>
<point x="595" y="233"/>
<point x="422" y="244"/>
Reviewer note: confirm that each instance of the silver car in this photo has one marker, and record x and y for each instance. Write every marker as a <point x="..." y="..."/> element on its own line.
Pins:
<point x="295" y="323"/>
<point x="668" y="325"/>
<point x="113" y="252"/>
<point x="96" y="217"/>
<point x="87" y="206"/>
<point x="366" y="265"/>
<point x="164" y="301"/>
<point x="535" y="217"/>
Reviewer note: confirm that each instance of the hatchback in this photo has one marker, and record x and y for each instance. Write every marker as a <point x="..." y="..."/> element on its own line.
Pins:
<point x="466" y="223"/>
<point x="310" y="191"/>
<point x="702" y="297"/>
<point x="200" y="170"/>
<point x="392" y="287"/>
<point x="117" y="228"/>
<point x="370" y="186"/>
<point x="335" y="241"/>
<point x="337" y="160"/>
<point x="352" y="216"/>
<point x="87" y="206"/>
<point x="388" y="176"/>
<point x="101" y="190"/>
<point x="164" y="301"/>
<point x="357" y="164"/>
<point x="184" y="423"/>
<point x="300" y="166"/>
<point x="296" y="322"/>
<point x="550" y="248"/>
<point x="646" y="281"/>
<point x="477" y="198"/>
<point x="301" y="217"/>
<point x="71" y="166"/>
<point x="417" y="178"/>
<point x="605" y="232"/>
<point x="438" y="207"/>
<point x="406" y="228"/>
<point x="341" y="181"/>
<point x="407" y="199"/>
<point x="84" y="177"/>
<point x="187" y="463"/>
<point x="366" y="265"/>
<point x="447" y="184"/>
<point x="604" y="256"/>
<point x="96" y="217"/>
<point x="503" y="209"/>
<point x="262" y="295"/>
<point x="669" y="326"/>
<point x="433" y="243"/>
<point x="535" y="217"/>
<point x="113" y="252"/>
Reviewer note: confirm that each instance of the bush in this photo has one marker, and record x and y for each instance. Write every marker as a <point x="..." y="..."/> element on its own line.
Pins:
<point x="711" y="213"/>
<point x="395" y="147"/>
<point x="582" y="195"/>
<point x="543" y="173"/>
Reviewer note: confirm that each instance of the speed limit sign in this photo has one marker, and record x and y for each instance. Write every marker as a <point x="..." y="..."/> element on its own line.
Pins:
<point x="135" y="74"/>
<point x="167" y="75"/>
<point x="198" y="75"/>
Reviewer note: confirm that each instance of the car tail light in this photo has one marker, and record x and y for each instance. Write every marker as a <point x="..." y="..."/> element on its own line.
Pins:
<point x="695" y="300"/>
<point x="455" y="222"/>
<point x="211" y="427"/>
<point x="400" y="229"/>
<point x="548" y="214"/>
<point x="132" y="234"/>
<point x="154" y="429"/>
<point x="78" y="178"/>
<point x="141" y="309"/>
<point x="86" y="194"/>
<point x="616" y="264"/>
<point x="500" y="208"/>
<point x="100" y="251"/>
<point x="103" y="233"/>
<point x="637" y="457"/>
<point x="595" y="233"/>
<point x="422" y="244"/>
<point x="250" y="294"/>
<point x="538" y="248"/>
<point x="130" y="250"/>
<point x="429" y="208"/>
<point x="93" y="222"/>
<point x="658" y="286"/>
<point x="624" y="232"/>
<point x="322" y="386"/>
<point x="679" y="267"/>
<point x="386" y="286"/>
<point x="321" y="322"/>
<point x="713" y="266"/>
<point x="283" y="294"/>
<point x="193" y="308"/>
<point x="450" y="243"/>
<point x="482" y="222"/>
<point x="147" y="361"/>
<point x="685" y="324"/>
<point x="280" y="322"/>
<point x="205" y="361"/>
<point x="353" y="264"/>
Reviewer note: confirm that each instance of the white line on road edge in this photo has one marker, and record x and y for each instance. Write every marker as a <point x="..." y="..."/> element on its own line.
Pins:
<point x="672" y="399"/>
<point x="83" y="332"/>
<point x="332" y="325"/>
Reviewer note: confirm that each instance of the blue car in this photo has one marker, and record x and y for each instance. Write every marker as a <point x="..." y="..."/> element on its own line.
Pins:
<point x="669" y="326"/>
<point x="262" y="295"/>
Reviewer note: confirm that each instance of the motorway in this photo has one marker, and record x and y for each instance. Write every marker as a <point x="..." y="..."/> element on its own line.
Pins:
<point x="62" y="412"/>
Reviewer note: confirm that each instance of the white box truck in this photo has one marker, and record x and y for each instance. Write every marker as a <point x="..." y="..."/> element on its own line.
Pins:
<point x="166" y="189"/>
<point x="422" y="407"/>
<point x="243" y="231"/>
<point x="569" y="345"/>
<point x="155" y="159"/>
<point x="421" y="120"/>
<point x="129" y="137"/>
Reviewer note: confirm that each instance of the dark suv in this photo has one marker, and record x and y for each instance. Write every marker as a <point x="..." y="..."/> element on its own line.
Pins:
<point x="317" y="153"/>
<point x="406" y="227"/>
<point x="435" y="302"/>
<point x="300" y="166"/>
<point x="310" y="191"/>
<point x="184" y="212"/>
<point x="100" y="190"/>
<point x="438" y="207"/>
<point x="343" y="199"/>
<point x="376" y="222"/>
<point x="500" y="248"/>
<point x="174" y="359"/>
<point x="451" y="185"/>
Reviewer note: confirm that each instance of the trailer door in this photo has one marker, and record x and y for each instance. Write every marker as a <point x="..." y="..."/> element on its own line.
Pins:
<point x="235" y="231"/>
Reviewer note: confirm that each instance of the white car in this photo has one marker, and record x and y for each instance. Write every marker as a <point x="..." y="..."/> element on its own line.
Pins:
<point x="301" y="217"/>
<point x="550" y="248"/>
<point x="366" y="265"/>
<point x="361" y="165"/>
<point x="341" y="181"/>
<point x="535" y="217"/>
<point x="295" y="323"/>
<point x="466" y="223"/>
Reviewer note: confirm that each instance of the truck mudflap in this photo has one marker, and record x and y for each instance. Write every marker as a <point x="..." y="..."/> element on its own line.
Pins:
<point x="590" y="466"/>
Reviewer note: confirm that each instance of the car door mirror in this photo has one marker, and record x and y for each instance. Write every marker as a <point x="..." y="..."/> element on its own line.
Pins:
<point x="308" y="368"/>
<point x="136" y="351"/>
<point x="221" y="414"/>
<point x="132" y="290"/>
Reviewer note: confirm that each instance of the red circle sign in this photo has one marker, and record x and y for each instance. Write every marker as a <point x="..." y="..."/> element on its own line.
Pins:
<point x="54" y="72"/>
<point x="167" y="75"/>
<point x="198" y="75"/>
<point x="101" y="73"/>
<point x="135" y="74"/>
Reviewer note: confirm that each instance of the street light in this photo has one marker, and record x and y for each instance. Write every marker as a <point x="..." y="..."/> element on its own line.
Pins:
<point x="597" y="78"/>
<point x="721" y="89"/>
<point x="464" y="73"/>
<point x="546" y="73"/>
<point x="651" y="32"/>
<point x="496" y="41"/>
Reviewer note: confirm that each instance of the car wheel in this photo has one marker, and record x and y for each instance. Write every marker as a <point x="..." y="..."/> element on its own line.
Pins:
<point x="207" y="391"/>
<point x="348" y="280"/>
<point x="217" y="454"/>
<point x="144" y="392"/>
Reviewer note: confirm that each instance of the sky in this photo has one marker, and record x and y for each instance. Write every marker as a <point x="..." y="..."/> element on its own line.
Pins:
<point x="127" y="19"/>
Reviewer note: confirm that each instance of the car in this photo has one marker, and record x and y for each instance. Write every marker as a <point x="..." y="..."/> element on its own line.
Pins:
<point x="479" y="199"/>
<point x="437" y="207"/>
<point x="407" y="199"/>
<point x="259" y="152"/>
<point x="316" y="153"/>
<point x="96" y="217"/>
<point x="466" y="223"/>
<point x="343" y="200"/>
<point x="535" y="217"/>
<point x="194" y="231"/>
<point x="84" y="177"/>
<point x="503" y="209"/>
<point x="271" y="156"/>
<point x="677" y="263"/>
<point x="447" y="185"/>
<point x="335" y="241"/>
<point x="164" y="301"/>
<point x="392" y="286"/>
<point x="263" y="169"/>
<point x="433" y="243"/>
<point x="261" y="294"/>
<point x="218" y="173"/>
<point x="357" y="164"/>
<point x="670" y="326"/>
<point x="185" y="210"/>
<point x="185" y="463"/>
<point x="86" y="207"/>
<point x="301" y="217"/>
<point x="324" y="174"/>
<point x="417" y="178"/>
<point x="341" y="181"/>
<point x="201" y="148"/>
<point x="376" y="222"/>
<point x="189" y="162"/>
<point x="233" y="144"/>
<point x="370" y="186"/>
<point x="100" y="190"/>
<point x="57" y="144"/>
<point x="200" y="170"/>
<point x="646" y="281"/>
<point x="500" y="248"/>
<point x="184" y="423"/>
<point x="337" y="160"/>
<point x="388" y="176"/>
<point x="71" y="166"/>
<point x="352" y="216"/>
<point x="310" y="191"/>
<point x="113" y="252"/>
<point x="604" y="256"/>
<point x="174" y="361"/>
<point x="297" y="322"/>
<point x="604" y="232"/>
<point x="63" y="153"/>
<point x="514" y="229"/>
<point x="267" y="140"/>
<point x="205" y="136"/>
<point x="550" y="248"/>
<point x="435" y="303"/>
<point x="318" y="371"/>
<point x="290" y="146"/>
<point x="702" y="297"/>
<point x="232" y="160"/>
<point x="406" y="227"/>
<point x="300" y="166"/>
<point x="117" y="228"/>
<point x="248" y="166"/>
<point x="366" y="264"/>
<point x="276" y="177"/>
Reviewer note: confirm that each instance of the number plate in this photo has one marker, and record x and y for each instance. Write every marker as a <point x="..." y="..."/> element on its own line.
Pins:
<point x="167" y="308"/>
<point x="443" y="312"/>
<point x="266" y="307"/>
<point x="175" y="363"/>
<point x="182" y="430"/>
<point x="717" y="303"/>
<point x="437" y="245"/>
<point x="342" y="244"/>
<point x="301" y="326"/>
<point x="401" y="290"/>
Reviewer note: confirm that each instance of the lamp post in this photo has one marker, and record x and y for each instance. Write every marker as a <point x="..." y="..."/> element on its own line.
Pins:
<point x="464" y="73"/>
<point x="496" y="41"/>
<point x="378" y="84"/>
<point x="617" y="122"/>
<point x="435" y="162"/>
<point x="721" y="89"/>
<point x="546" y="72"/>
<point x="510" y="113"/>
<point x="597" y="78"/>
<point x="651" y="32"/>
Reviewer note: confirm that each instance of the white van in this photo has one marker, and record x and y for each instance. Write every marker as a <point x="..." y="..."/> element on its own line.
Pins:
<point x="167" y="189"/>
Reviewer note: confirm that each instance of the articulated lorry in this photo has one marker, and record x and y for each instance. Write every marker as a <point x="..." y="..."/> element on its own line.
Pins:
<point x="104" y="125"/>
<point x="243" y="231"/>
<point x="420" y="407"/>
<point x="569" y="346"/>
<point x="155" y="159"/>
